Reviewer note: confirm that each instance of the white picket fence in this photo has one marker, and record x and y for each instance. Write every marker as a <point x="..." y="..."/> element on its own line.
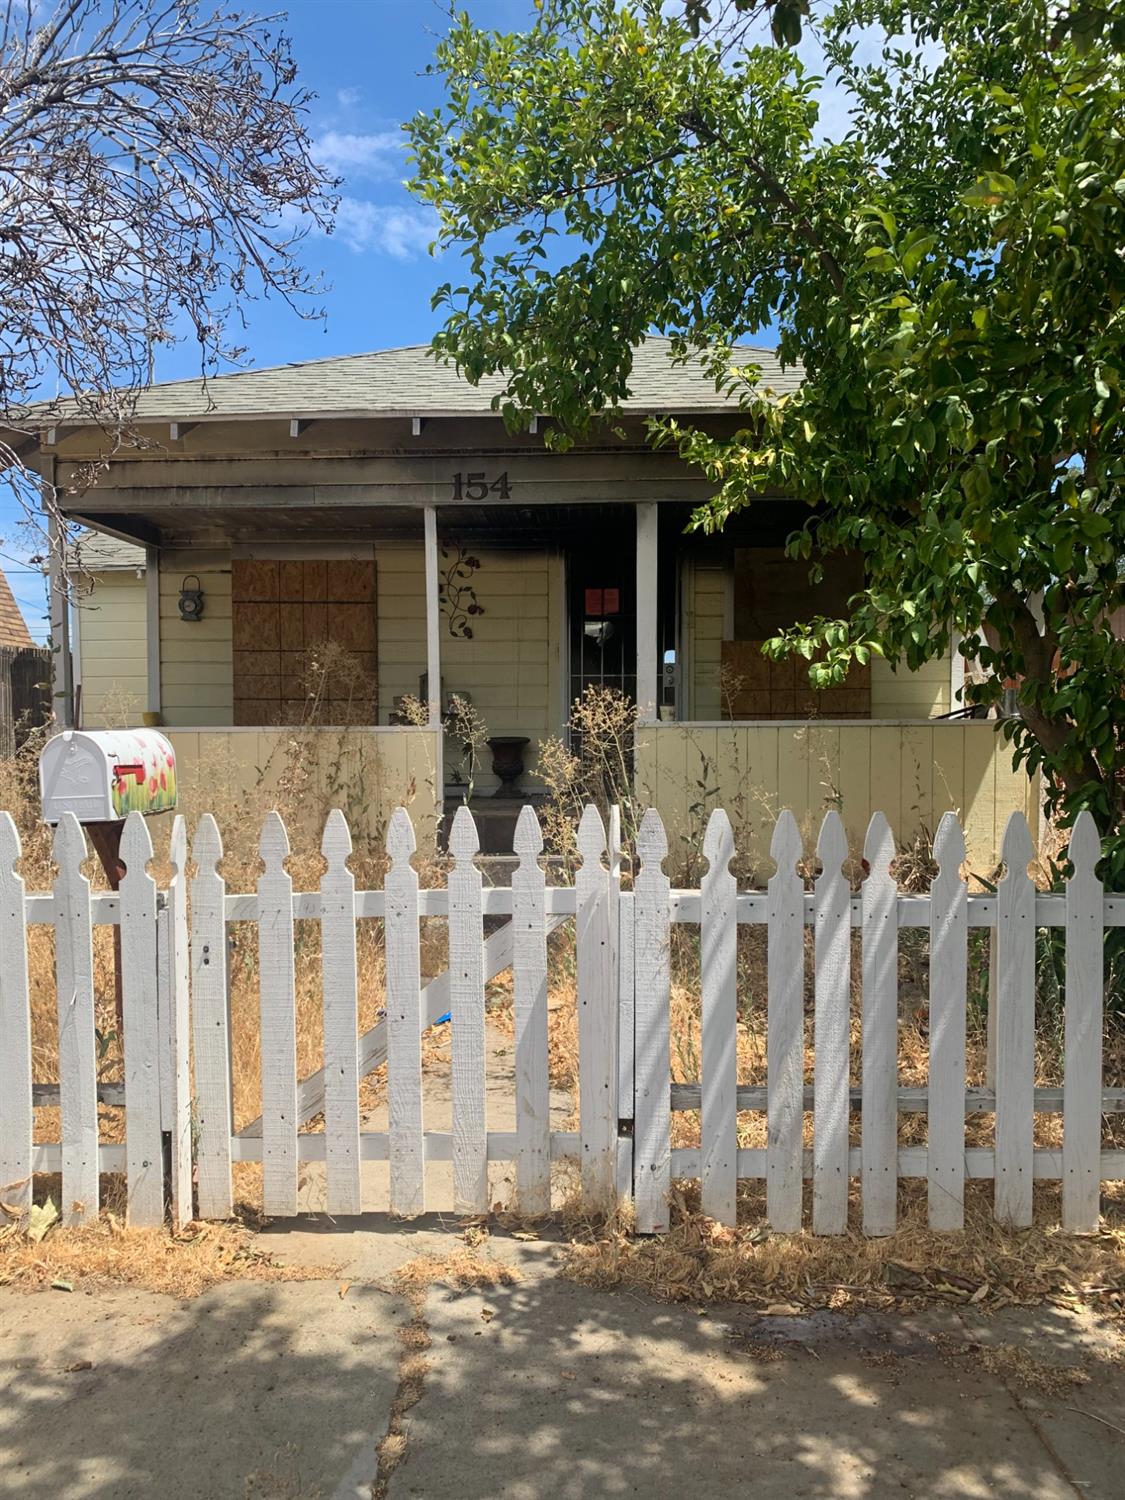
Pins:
<point x="177" y="1091"/>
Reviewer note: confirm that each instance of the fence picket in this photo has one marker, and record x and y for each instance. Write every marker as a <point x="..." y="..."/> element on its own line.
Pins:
<point x="341" y="1022"/>
<point x="1015" y="1028"/>
<point x="533" y="1099"/>
<point x="830" y="1078"/>
<point x="177" y="994"/>
<point x="652" y="1145"/>
<point x="621" y="935"/>
<point x="74" y="971"/>
<point x="597" y="1019"/>
<point x="949" y="956"/>
<point x="404" y="1022"/>
<point x="785" y="1010"/>
<point x="879" y="896"/>
<point x="1082" y="1078"/>
<point x="144" y="1147"/>
<point x="16" y="1115"/>
<point x="466" y="973"/>
<point x="278" y="1001"/>
<point x="718" y="950"/>
<point x="210" y="1023"/>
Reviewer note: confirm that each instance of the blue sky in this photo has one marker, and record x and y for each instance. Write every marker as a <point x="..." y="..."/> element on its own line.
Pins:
<point x="365" y="60"/>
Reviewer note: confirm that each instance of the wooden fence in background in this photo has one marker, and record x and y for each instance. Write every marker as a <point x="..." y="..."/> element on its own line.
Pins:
<point x="176" y="1088"/>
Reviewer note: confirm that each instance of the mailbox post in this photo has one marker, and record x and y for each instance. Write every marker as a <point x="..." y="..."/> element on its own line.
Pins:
<point x="101" y="777"/>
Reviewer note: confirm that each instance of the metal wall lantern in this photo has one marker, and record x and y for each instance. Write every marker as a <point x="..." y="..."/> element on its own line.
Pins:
<point x="191" y="599"/>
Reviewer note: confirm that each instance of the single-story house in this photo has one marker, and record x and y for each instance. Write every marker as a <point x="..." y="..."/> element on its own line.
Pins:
<point x="376" y="510"/>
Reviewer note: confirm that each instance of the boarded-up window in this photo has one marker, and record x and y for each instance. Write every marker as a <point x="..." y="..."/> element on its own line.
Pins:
<point x="304" y="639"/>
<point x="771" y="593"/>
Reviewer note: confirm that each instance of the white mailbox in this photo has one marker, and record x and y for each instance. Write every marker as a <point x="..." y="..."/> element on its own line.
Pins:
<point x="102" y="776"/>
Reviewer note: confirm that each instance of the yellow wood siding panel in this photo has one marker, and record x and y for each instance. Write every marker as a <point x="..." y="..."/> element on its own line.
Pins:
<point x="196" y="681"/>
<point x="112" y="648"/>
<point x="707" y="589"/>
<point x="894" y="695"/>
<point x="509" y="668"/>
<point x="366" y="772"/>
<point x="910" y="695"/>
<point x="912" y="773"/>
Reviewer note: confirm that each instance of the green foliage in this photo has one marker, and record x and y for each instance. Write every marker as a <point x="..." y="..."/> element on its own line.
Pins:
<point x="950" y="274"/>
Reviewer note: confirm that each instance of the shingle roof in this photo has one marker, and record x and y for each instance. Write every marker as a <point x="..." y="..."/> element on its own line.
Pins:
<point x="409" y="382"/>
<point x="94" y="552"/>
<point x="13" y="626"/>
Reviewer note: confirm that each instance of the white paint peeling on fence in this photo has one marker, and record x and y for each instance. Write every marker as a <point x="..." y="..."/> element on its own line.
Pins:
<point x="949" y="933"/>
<point x="404" y="1027"/>
<point x="785" y="1028"/>
<point x="278" y="1004"/>
<point x="880" y="1032"/>
<point x="1082" y="1079"/>
<point x="529" y="971"/>
<point x="652" y="1153"/>
<point x="175" y="959"/>
<point x="1015" y="1027"/>
<point x="718" y="950"/>
<point x="144" y="1149"/>
<point x="74" y="977"/>
<point x="597" y="1019"/>
<point x="830" y="1078"/>
<point x="15" y="1029"/>
<point x="210" y="1023"/>
<point x="466" y="975"/>
<point x="625" y="1047"/>
<point x="341" y="1024"/>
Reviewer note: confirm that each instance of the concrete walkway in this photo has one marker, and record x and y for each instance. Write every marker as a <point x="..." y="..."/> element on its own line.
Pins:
<point x="539" y="1390"/>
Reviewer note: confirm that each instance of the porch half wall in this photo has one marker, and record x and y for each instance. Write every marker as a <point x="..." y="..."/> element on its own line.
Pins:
<point x="911" y="772"/>
<point x="368" y="772"/>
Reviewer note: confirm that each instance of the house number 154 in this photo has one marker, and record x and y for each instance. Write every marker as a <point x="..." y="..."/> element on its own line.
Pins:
<point x="478" y="486"/>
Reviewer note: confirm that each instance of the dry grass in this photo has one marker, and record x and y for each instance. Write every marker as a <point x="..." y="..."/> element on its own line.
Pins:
<point x="463" y="1267"/>
<point x="986" y="1266"/>
<point x="181" y="1264"/>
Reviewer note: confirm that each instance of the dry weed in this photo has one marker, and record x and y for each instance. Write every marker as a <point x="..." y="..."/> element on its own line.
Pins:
<point x="986" y="1266"/>
<point x="181" y="1265"/>
<point x="463" y="1267"/>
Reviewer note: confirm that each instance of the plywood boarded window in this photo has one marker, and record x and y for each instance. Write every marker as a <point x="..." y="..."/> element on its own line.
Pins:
<point x="304" y="640"/>
<point x="771" y="593"/>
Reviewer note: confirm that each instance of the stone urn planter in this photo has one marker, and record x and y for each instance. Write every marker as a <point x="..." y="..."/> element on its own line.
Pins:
<point x="507" y="762"/>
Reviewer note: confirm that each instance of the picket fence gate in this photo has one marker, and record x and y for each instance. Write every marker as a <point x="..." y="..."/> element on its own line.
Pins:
<point x="180" y="1143"/>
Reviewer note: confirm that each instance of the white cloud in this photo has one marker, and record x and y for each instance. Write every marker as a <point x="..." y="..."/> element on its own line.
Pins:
<point x="348" y="98"/>
<point x="400" y="231"/>
<point x="349" y="154"/>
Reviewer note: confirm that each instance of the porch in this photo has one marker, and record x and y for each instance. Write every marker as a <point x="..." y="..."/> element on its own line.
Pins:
<point x="512" y="612"/>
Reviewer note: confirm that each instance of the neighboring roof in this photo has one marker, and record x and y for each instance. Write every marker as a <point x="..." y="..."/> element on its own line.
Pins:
<point x="13" y="626"/>
<point x="410" y="382"/>
<point x="93" y="552"/>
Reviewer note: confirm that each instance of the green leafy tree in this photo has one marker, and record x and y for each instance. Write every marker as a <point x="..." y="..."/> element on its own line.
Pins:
<point x="950" y="273"/>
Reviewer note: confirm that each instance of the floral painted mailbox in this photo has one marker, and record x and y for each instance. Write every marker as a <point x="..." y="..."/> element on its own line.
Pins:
<point x="102" y="776"/>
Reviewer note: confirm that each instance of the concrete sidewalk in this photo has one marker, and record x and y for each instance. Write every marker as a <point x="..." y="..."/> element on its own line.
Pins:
<point x="281" y="1391"/>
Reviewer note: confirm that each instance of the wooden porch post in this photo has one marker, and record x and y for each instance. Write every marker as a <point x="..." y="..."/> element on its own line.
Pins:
<point x="433" y="646"/>
<point x="62" y="665"/>
<point x="647" y="665"/>
<point x="152" y="626"/>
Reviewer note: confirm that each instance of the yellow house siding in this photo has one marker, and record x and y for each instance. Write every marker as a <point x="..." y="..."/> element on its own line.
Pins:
<point x="910" y="695"/>
<point x="366" y="772"/>
<point x="196" y="668"/>
<point x="707" y="590"/>
<point x="912" y="773"/>
<point x="509" y="668"/>
<point x="112" y="649"/>
<point x="894" y="695"/>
